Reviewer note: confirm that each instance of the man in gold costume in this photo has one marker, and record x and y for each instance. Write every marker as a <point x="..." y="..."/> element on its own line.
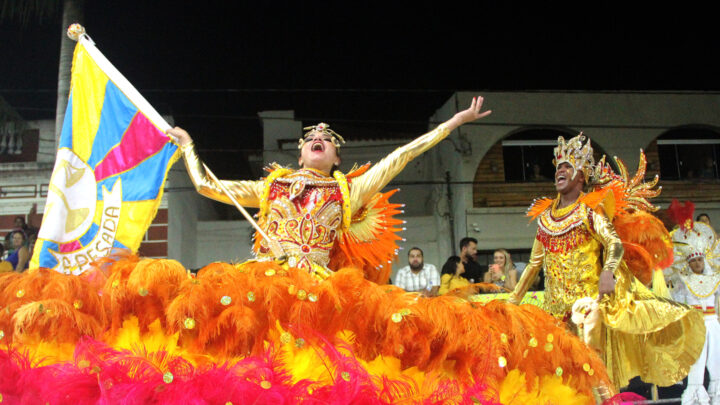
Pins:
<point x="586" y="279"/>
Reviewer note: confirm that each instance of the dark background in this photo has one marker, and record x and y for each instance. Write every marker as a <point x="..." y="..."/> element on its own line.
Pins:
<point x="375" y="69"/>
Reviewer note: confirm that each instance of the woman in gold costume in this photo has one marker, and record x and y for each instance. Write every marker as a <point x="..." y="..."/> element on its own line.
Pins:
<point x="591" y="247"/>
<point x="307" y="210"/>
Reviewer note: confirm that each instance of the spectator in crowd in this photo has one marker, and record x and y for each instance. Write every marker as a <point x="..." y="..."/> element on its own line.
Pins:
<point x="452" y="278"/>
<point x="19" y="258"/>
<point x="31" y="243"/>
<point x="418" y="276"/>
<point x="705" y="218"/>
<point x="5" y="266"/>
<point x="708" y="171"/>
<point x="502" y="272"/>
<point x="536" y="174"/>
<point x="19" y="224"/>
<point x="468" y="251"/>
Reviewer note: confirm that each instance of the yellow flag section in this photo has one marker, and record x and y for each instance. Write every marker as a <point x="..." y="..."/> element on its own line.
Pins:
<point x="111" y="165"/>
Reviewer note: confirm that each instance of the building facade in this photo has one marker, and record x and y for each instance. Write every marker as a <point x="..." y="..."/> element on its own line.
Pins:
<point x="479" y="182"/>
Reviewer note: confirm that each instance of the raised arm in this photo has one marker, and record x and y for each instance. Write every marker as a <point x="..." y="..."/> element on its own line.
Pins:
<point x="365" y="186"/>
<point x="247" y="193"/>
<point x="535" y="264"/>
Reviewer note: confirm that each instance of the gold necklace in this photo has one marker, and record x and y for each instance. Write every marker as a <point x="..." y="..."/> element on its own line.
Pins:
<point x="561" y="212"/>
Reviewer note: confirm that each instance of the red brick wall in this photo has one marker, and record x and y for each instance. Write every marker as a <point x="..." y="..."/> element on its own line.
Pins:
<point x="155" y="242"/>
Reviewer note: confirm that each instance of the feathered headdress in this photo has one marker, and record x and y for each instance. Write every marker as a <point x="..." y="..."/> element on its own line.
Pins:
<point x="682" y="215"/>
<point x="692" y="239"/>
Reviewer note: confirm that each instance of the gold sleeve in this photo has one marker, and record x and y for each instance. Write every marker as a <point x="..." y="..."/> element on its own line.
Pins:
<point x="612" y="244"/>
<point x="247" y="193"/>
<point x="534" y="266"/>
<point x="365" y="186"/>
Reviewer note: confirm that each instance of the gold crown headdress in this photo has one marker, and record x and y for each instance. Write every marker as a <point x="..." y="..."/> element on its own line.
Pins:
<point x="579" y="156"/>
<point x="323" y="129"/>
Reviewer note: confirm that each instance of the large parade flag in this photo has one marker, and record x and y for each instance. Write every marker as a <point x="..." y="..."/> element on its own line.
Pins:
<point x="112" y="160"/>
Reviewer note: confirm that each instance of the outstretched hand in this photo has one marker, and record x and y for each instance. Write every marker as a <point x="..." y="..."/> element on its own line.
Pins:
<point x="182" y="137"/>
<point x="474" y="112"/>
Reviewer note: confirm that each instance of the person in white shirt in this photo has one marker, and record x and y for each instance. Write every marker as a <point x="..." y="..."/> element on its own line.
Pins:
<point x="701" y="290"/>
<point x="695" y="276"/>
<point x="418" y="276"/>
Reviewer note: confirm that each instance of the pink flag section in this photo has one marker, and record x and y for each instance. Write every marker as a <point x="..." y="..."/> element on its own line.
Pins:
<point x="141" y="140"/>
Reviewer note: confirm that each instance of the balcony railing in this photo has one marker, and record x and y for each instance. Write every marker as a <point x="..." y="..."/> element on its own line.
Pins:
<point x="522" y="194"/>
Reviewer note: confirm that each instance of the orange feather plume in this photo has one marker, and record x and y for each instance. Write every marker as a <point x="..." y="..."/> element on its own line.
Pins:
<point x="371" y="242"/>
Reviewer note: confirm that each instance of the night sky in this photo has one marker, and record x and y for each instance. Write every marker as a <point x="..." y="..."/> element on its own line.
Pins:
<point x="365" y="67"/>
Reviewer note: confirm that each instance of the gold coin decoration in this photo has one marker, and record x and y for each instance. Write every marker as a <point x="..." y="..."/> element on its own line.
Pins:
<point x="345" y="375"/>
<point x="299" y="343"/>
<point x="143" y="292"/>
<point x="586" y="367"/>
<point x="312" y="297"/>
<point x="20" y="293"/>
<point x="548" y="347"/>
<point x="78" y="304"/>
<point x="168" y="377"/>
<point x="251" y="296"/>
<point x="115" y="284"/>
<point x="83" y="364"/>
<point x="2" y="334"/>
<point x="301" y="295"/>
<point x="503" y="338"/>
<point x="533" y="342"/>
<point x="225" y="300"/>
<point x="189" y="323"/>
<point x="559" y="371"/>
<point x="270" y="272"/>
<point x="550" y="338"/>
<point x="502" y="361"/>
<point x="292" y="289"/>
<point x="404" y="312"/>
<point x="591" y="372"/>
<point x="285" y="337"/>
<point x="265" y="384"/>
<point x="396" y="317"/>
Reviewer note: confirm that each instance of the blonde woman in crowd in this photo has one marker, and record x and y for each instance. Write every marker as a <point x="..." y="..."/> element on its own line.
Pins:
<point x="502" y="272"/>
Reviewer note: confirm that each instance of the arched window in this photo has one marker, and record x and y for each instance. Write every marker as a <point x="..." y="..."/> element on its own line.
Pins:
<point x="689" y="153"/>
<point x="528" y="154"/>
<point x="519" y="167"/>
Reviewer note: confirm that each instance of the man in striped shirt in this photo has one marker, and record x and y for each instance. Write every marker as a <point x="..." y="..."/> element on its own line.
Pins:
<point x="418" y="276"/>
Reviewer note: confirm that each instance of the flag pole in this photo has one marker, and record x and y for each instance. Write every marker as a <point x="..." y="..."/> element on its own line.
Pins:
<point x="274" y="245"/>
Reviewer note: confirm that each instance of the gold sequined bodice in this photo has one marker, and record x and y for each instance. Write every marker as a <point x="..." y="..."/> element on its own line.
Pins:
<point x="304" y="215"/>
<point x="573" y="257"/>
